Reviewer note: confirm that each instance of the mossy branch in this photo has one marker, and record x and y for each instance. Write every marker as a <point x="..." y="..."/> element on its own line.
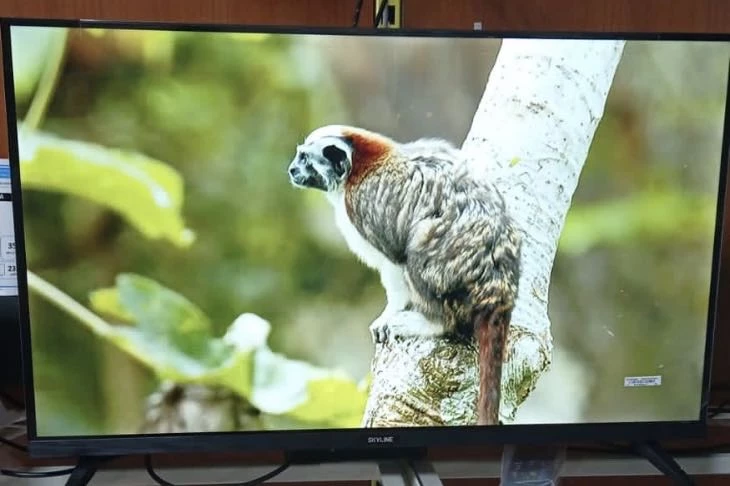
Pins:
<point x="530" y="138"/>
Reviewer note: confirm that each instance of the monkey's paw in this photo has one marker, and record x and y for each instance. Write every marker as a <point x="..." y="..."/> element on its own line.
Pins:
<point x="379" y="329"/>
<point x="403" y="324"/>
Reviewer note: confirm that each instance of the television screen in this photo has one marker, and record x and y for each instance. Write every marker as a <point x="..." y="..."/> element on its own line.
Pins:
<point x="270" y="230"/>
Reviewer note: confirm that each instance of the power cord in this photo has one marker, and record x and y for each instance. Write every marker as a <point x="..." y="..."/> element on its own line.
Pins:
<point x="37" y="474"/>
<point x="13" y="473"/>
<point x="358" y="11"/>
<point x="30" y="474"/>
<point x="253" y="482"/>
<point x="381" y="12"/>
<point x="611" y="449"/>
<point x="12" y="444"/>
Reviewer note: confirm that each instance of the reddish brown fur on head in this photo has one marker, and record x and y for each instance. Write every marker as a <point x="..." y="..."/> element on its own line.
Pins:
<point x="369" y="151"/>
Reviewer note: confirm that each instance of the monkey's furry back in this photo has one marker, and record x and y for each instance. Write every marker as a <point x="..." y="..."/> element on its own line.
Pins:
<point x="425" y="211"/>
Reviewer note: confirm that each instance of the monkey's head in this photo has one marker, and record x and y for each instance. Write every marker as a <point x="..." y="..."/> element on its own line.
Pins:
<point x="323" y="161"/>
<point x="335" y="155"/>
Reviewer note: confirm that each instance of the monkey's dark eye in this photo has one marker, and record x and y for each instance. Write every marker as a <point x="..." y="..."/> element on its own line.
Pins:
<point x="337" y="158"/>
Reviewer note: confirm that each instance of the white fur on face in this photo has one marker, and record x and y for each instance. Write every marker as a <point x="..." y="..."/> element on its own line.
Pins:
<point x="314" y="146"/>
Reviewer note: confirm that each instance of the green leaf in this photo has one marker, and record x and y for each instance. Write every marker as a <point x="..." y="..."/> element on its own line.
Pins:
<point x="172" y="336"/>
<point x="514" y="161"/>
<point x="106" y="302"/>
<point x="336" y="401"/>
<point x="222" y="363"/>
<point x="146" y="192"/>
<point x="166" y="360"/>
<point x="225" y="367"/>
<point x="648" y="216"/>
<point x="293" y="388"/>
<point x="162" y="312"/>
<point x="162" y="316"/>
<point x="304" y="392"/>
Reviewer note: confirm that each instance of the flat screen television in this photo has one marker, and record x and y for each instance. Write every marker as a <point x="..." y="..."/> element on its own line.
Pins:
<point x="279" y="238"/>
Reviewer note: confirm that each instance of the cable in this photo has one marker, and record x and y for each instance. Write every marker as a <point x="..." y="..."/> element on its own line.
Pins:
<point x="381" y="12"/>
<point x="37" y="474"/>
<point x="12" y="444"/>
<point x="29" y="474"/>
<point x="358" y="11"/>
<point x="253" y="482"/>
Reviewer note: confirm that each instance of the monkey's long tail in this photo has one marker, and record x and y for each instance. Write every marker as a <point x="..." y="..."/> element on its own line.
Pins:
<point x="491" y="330"/>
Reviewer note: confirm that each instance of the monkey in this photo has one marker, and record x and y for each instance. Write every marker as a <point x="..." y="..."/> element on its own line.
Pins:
<point x="447" y="252"/>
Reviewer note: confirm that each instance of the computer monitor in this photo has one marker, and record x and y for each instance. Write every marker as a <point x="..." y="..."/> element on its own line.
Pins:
<point x="277" y="238"/>
<point x="10" y="367"/>
<point x="8" y="280"/>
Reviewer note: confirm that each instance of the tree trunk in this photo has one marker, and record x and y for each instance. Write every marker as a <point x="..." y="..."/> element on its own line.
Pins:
<point x="530" y="137"/>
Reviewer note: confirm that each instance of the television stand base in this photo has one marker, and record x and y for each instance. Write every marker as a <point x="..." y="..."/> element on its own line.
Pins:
<point x="653" y="452"/>
<point x="407" y="473"/>
<point x="397" y="467"/>
<point x="85" y="470"/>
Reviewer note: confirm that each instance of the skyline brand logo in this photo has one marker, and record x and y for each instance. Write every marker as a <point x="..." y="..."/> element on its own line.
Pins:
<point x="381" y="439"/>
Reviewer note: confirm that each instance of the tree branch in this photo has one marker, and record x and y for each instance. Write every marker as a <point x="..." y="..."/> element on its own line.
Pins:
<point x="530" y="137"/>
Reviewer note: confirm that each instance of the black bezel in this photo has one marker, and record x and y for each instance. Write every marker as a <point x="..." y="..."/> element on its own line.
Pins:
<point x="346" y="439"/>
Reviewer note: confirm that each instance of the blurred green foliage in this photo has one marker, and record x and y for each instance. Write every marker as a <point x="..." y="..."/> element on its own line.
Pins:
<point x="170" y="336"/>
<point x="146" y="193"/>
<point x="647" y="217"/>
<point x="173" y="338"/>
<point x="630" y="287"/>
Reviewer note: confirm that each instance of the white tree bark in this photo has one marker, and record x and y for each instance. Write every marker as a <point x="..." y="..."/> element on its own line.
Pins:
<point x="530" y="137"/>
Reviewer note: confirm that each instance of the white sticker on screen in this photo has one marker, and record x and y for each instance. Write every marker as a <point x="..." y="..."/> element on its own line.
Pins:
<point x="632" y="381"/>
